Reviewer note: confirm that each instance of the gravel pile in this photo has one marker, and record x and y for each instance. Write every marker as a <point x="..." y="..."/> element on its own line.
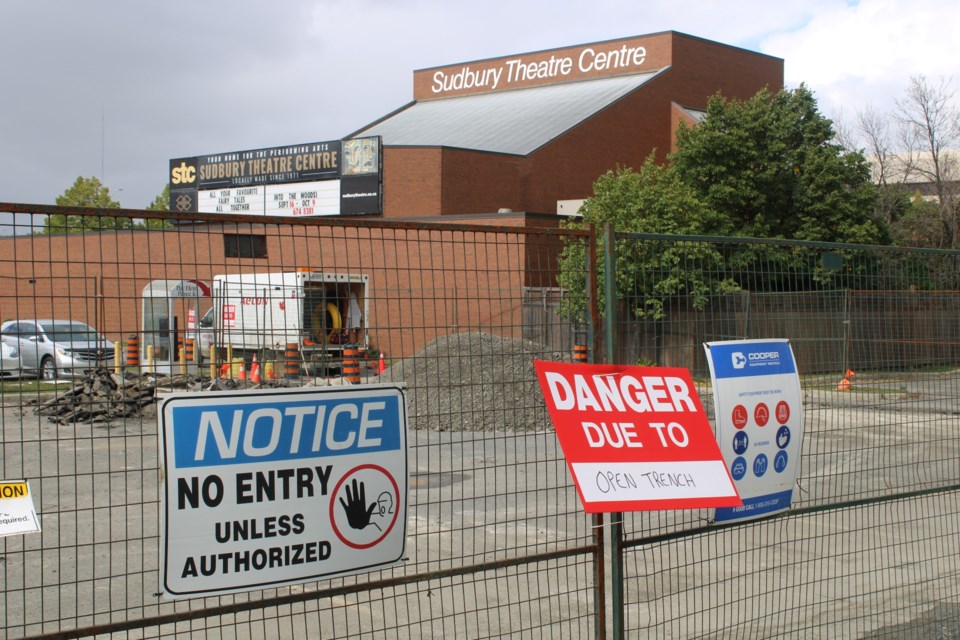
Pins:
<point x="474" y="382"/>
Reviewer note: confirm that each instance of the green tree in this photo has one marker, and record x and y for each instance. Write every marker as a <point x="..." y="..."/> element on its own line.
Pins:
<point x="160" y="203"/>
<point x="767" y="167"/>
<point x="85" y="192"/>
<point x="651" y="200"/>
<point x="772" y="167"/>
<point x="919" y="226"/>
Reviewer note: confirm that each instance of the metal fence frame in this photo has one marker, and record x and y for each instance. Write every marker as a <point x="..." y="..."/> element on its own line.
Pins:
<point x="497" y="543"/>
<point x="499" y="546"/>
<point x="869" y="547"/>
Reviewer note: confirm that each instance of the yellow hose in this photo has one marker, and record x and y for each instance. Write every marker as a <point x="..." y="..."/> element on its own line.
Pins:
<point x="336" y="322"/>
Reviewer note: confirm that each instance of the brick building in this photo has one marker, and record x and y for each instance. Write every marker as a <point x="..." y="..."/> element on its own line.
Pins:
<point x="532" y="132"/>
<point x="515" y="141"/>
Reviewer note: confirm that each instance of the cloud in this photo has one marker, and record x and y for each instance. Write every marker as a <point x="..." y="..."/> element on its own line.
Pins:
<point x="115" y="90"/>
<point x="854" y="55"/>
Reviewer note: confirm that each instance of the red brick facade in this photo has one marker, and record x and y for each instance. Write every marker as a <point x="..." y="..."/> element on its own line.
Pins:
<point x="440" y="181"/>
<point x="99" y="277"/>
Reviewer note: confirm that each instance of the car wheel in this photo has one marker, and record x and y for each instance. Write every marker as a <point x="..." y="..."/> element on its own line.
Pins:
<point x="48" y="369"/>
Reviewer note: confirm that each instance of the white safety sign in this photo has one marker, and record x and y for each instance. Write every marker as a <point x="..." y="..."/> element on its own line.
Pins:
<point x="17" y="513"/>
<point x="272" y="487"/>
<point x="758" y="406"/>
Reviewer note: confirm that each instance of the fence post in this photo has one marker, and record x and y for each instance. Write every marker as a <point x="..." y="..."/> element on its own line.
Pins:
<point x="592" y="318"/>
<point x="616" y="519"/>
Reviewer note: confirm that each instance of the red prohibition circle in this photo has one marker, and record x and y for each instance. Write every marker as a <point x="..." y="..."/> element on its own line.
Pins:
<point x="740" y="416"/>
<point x="783" y="412"/>
<point x="333" y="503"/>
<point x="761" y="414"/>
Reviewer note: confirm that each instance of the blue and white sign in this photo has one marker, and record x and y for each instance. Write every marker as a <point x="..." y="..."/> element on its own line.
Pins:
<point x="271" y="487"/>
<point x="759" y="422"/>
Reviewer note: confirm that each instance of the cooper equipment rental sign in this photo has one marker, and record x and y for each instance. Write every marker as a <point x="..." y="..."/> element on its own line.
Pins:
<point x="635" y="438"/>
<point x="759" y="416"/>
<point x="267" y="488"/>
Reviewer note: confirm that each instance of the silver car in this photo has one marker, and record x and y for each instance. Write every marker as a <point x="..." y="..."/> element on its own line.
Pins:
<point x="57" y="348"/>
<point x="10" y="366"/>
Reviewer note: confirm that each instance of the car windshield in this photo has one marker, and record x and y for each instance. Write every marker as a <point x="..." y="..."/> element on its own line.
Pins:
<point x="70" y="332"/>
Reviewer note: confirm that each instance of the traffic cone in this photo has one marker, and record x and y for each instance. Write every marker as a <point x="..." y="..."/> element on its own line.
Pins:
<point x="242" y="375"/>
<point x="844" y="385"/>
<point x="850" y="374"/>
<point x="255" y="370"/>
<point x="382" y="366"/>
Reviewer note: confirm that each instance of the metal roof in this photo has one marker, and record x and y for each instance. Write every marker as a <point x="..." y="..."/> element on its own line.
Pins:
<point x="515" y="122"/>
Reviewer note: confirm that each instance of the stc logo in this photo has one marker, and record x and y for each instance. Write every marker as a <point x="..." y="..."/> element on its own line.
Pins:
<point x="184" y="174"/>
<point x="739" y="361"/>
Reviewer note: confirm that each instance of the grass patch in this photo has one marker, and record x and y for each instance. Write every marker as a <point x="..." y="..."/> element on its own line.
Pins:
<point x="31" y="385"/>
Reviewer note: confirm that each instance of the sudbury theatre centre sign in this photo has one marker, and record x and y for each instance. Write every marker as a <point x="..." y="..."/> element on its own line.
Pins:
<point x="337" y="177"/>
<point x="602" y="59"/>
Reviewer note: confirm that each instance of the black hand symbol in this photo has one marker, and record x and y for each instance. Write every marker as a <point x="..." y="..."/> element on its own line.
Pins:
<point x="358" y="514"/>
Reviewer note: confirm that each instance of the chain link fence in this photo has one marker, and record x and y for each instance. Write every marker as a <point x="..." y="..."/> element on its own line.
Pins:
<point x="871" y="546"/>
<point x="497" y="542"/>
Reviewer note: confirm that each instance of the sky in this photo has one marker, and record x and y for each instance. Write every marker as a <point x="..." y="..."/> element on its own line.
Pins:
<point x="114" y="90"/>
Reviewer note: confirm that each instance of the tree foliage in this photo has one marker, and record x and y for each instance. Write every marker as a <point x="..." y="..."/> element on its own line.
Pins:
<point x="771" y="167"/>
<point x="767" y="167"/>
<point x="85" y="192"/>
<point x="930" y="120"/>
<point x="160" y="203"/>
<point x="915" y="145"/>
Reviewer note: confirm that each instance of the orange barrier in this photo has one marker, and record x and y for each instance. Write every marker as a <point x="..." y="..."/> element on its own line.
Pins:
<point x="580" y="353"/>
<point x="133" y="350"/>
<point x="351" y="364"/>
<point x="291" y="367"/>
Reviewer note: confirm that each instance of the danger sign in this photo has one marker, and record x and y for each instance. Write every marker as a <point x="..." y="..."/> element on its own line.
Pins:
<point x="265" y="488"/>
<point x="635" y="438"/>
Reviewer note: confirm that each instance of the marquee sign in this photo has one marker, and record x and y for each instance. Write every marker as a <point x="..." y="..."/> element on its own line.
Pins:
<point x="318" y="178"/>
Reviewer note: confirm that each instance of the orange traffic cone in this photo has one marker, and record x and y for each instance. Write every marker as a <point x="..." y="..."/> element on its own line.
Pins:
<point x="850" y="374"/>
<point x="382" y="366"/>
<point x="243" y="372"/>
<point x="255" y="370"/>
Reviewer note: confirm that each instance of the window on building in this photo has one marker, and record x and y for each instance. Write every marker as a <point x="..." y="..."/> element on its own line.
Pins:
<point x="238" y="245"/>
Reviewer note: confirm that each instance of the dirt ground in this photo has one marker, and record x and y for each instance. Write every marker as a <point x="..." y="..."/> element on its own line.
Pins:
<point x="871" y="570"/>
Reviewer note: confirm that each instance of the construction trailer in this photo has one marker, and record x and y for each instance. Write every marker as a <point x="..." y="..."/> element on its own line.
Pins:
<point x="267" y="315"/>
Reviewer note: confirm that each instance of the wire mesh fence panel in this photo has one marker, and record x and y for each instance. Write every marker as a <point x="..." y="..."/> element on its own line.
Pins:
<point x="496" y="541"/>
<point x="497" y="544"/>
<point x="870" y="541"/>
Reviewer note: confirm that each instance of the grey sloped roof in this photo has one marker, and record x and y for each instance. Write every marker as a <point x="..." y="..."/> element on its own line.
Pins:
<point x="515" y="122"/>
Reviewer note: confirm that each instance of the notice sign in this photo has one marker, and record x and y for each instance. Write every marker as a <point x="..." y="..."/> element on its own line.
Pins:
<point x="759" y="422"/>
<point x="17" y="513"/>
<point x="266" y="488"/>
<point x="635" y="438"/>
